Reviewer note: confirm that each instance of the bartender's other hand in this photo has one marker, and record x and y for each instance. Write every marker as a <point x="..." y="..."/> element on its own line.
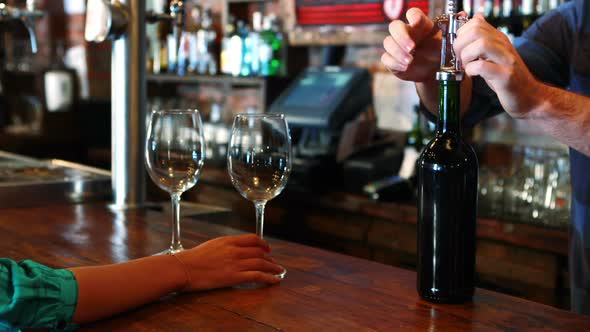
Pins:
<point x="412" y="51"/>
<point x="228" y="261"/>
<point x="487" y="52"/>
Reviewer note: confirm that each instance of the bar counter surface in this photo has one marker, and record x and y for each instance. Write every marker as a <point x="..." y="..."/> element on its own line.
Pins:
<point x="323" y="291"/>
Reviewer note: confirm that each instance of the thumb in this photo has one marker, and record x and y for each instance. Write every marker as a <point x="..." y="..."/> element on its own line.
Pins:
<point x="420" y="26"/>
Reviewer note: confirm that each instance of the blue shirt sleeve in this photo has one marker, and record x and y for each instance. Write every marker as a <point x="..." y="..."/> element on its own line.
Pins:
<point x="33" y="295"/>
<point x="546" y="49"/>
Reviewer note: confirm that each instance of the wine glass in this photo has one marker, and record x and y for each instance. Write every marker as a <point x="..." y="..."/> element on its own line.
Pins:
<point x="259" y="160"/>
<point x="175" y="148"/>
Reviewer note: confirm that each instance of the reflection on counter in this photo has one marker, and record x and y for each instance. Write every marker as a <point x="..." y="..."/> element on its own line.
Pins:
<point x="28" y="182"/>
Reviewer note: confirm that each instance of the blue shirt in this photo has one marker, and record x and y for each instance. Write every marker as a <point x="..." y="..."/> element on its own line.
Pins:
<point x="556" y="49"/>
<point x="36" y="296"/>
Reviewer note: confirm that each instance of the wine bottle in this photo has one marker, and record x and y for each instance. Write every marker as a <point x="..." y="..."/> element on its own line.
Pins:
<point x="447" y="194"/>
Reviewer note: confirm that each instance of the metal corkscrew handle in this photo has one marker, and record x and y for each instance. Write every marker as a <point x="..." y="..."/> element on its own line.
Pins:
<point x="449" y="23"/>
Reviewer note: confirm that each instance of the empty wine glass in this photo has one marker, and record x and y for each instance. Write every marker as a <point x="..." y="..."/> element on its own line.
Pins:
<point x="174" y="156"/>
<point x="259" y="159"/>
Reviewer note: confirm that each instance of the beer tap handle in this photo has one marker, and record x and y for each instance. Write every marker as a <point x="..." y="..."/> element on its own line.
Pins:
<point x="27" y="16"/>
<point x="105" y="20"/>
<point x="28" y="19"/>
<point x="29" y="23"/>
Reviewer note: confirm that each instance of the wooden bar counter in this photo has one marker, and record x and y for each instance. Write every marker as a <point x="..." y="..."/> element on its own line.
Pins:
<point x="323" y="291"/>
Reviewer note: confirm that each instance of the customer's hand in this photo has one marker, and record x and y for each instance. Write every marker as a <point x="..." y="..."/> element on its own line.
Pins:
<point x="413" y="49"/>
<point x="228" y="261"/>
<point x="487" y="52"/>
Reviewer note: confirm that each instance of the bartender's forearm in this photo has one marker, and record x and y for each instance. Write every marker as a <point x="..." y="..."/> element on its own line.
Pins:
<point x="106" y="290"/>
<point x="428" y="92"/>
<point x="563" y="115"/>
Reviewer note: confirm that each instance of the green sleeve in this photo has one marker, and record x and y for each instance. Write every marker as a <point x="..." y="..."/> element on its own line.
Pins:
<point x="33" y="295"/>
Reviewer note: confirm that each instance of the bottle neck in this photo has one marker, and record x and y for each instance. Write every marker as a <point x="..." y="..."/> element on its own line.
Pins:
<point x="449" y="109"/>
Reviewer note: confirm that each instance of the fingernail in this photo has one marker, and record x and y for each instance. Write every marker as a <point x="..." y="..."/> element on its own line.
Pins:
<point x="407" y="60"/>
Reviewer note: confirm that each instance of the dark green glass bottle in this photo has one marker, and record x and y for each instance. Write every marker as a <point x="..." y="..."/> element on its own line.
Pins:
<point x="447" y="205"/>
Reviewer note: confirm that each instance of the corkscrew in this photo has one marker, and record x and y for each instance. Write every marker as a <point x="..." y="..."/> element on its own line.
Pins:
<point x="449" y="23"/>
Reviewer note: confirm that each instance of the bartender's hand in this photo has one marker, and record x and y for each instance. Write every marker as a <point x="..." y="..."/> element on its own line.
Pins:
<point x="412" y="51"/>
<point x="229" y="261"/>
<point x="487" y="52"/>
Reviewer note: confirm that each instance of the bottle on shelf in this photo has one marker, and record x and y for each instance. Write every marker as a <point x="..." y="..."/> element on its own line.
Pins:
<point x="477" y="6"/>
<point x="227" y="55"/>
<point x="496" y="11"/>
<point x="216" y="136"/>
<point x="259" y="51"/>
<point x="542" y="7"/>
<point x="171" y="50"/>
<point x="206" y="62"/>
<point x="447" y="190"/>
<point x="160" y="48"/>
<point x="467" y="7"/>
<point x="555" y="3"/>
<point x="517" y="18"/>
<point x="243" y="31"/>
<point x="527" y="14"/>
<point x="255" y="43"/>
<point x="265" y="49"/>
<point x="59" y="83"/>
<point x="236" y="50"/>
<point x="149" y="58"/>
<point x="194" y="26"/>
<point x="506" y="18"/>
<point x="488" y="11"/>
<point x="273" y="57"/>
<point x="182" y="60"/>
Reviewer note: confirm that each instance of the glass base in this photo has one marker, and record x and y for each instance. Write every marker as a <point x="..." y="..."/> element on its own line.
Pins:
<point x="170" y="251"/>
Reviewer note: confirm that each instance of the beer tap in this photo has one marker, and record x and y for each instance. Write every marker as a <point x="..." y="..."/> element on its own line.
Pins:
<point x="124" y="22"/>
<point x="27" y="16"/>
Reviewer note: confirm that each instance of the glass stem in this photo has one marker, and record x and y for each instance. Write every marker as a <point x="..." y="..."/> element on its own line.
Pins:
<point x="176" y="245"/>
<point x="259" y="217"/>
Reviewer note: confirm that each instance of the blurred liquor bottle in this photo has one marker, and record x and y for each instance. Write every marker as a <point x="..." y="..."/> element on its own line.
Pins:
<point x="60" y="87"/>
<point x="273" y="49"/>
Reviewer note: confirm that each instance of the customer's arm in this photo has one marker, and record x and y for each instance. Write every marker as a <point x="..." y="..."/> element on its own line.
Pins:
<point x="33" y="295"/>
<point x="221" y="262"/>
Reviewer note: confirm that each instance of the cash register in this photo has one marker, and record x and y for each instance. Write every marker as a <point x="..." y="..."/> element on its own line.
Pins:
<point x="317" y="105"/>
